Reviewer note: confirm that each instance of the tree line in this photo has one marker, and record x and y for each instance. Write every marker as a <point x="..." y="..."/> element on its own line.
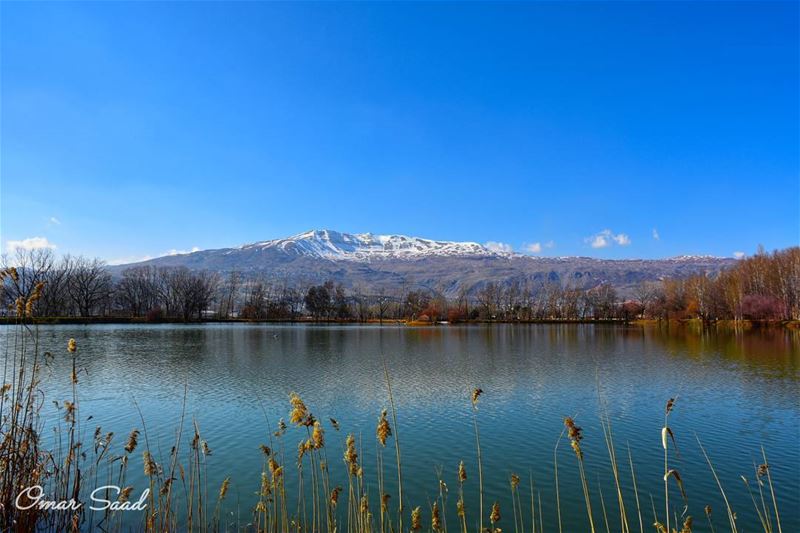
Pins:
<point x="765" y="286"/>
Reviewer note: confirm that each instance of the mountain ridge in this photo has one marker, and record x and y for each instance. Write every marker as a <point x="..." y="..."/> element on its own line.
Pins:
<point x="384" y="263"/>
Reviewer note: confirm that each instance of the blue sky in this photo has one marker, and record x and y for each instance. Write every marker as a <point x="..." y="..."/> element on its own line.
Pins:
<point x="604" y="129"/>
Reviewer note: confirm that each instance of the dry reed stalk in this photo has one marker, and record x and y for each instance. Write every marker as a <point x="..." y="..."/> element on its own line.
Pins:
<point x="635" y="490"/>
<point x="765" y="466"/>
<point x="533" y="505"/>
<point x="475" y="395"/>
<point x="575" y="437"/>
<point x="608" y="435"/>
<point x="731" y="514"/>
<point x="460" y="511"/>
<point x="761" y="517"/>
<point x="541" y="515"/>
<point x="396" y="447"/>
<point x="664" y="431"/>
<point x="514" y="482"/>
<point x="603" y="505"/>
<point x="764" y="508"/>
<point x="442" y="497"/>
<point x="707" y="511"/>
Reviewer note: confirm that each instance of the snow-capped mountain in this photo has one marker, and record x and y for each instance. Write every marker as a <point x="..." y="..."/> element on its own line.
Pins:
<point x="382" y="263"/>
<point x="334" y="245"/>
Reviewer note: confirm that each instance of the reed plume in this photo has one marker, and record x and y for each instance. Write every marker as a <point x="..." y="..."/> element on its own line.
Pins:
<point x="318" y="436"/>
<point x="383" y="431"/>
<point x="133" y="441"/>
<point x="223" y="489"/>
<point x="436" y="520"/>
<point x="299" y="412"/>
<point x="416" y="519"/>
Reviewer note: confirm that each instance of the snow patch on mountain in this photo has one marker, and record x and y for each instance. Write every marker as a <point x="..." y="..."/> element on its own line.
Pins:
<point x="335" y="245"/>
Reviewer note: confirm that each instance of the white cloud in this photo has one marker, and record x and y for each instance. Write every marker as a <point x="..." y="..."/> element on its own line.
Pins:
<point x="55" y="221"/>
<point x="549" y="244"/>
<point x="656" y="236"/>
<point x="499" y="247"/>
<point x="598" y="241"/>
<point x="622" y="239"/>
<point x="534" y="248"/>
<point x="606" y="238"/>
<point x="31" y="243"/>
<point x="738" y="255"/>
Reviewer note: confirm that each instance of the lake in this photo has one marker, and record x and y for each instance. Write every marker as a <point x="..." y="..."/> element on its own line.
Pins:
<point x="736" y="391"/>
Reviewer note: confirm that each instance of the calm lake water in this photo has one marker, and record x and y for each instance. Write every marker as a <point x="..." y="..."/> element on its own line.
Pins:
<point x="736" y="392"/>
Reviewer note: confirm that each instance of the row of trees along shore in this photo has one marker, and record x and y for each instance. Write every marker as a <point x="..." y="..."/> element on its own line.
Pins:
<point x="765" y="286"/>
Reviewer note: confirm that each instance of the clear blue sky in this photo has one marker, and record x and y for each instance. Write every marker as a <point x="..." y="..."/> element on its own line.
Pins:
<point x="132" y="129"/>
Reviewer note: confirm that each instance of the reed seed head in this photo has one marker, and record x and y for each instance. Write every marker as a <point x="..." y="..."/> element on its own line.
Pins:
<point x="299" y="412"/>
<point x="275" y="469"/>
<point x="69" y="411"/>
<point x="575" y="436"/>
<point x="265" y="486"/>
<point x="462" y="472"/>
<point x="318" y="435"/>
<point x="385" y="502"/>
<point x="72" y="346"/>
<point x="149" y="464"/>
<point x="33" y="298"/>
<point x="165" y="488"/>
<point x="223" y="489"/>
<point x="669" y="406"/>
<point x="125" y="494"/>
<point x="436" y="520"/>
<point x="514" y="481"/>
<point x="351" y="455"/>
<point x="133" y="441"/>
<point x="205" y="448"/>
<point x="384" y="430"/>
<point x="475" y="395"/>
<point x="494" y="516"/>
<point x="334" y="498"/>
<point x="416" y="519"/>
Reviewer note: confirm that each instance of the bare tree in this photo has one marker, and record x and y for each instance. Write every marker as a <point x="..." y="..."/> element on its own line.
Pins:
<point x="137" y="291"/>
<point x="89" y="285"/>
<point x="644" y="293"/>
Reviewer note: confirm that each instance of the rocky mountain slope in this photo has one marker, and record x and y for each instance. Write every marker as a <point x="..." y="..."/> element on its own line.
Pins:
<point x="390" y="263"/>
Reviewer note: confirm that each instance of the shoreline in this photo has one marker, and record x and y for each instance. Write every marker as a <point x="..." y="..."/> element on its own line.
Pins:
<point x="641" y="322"/>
